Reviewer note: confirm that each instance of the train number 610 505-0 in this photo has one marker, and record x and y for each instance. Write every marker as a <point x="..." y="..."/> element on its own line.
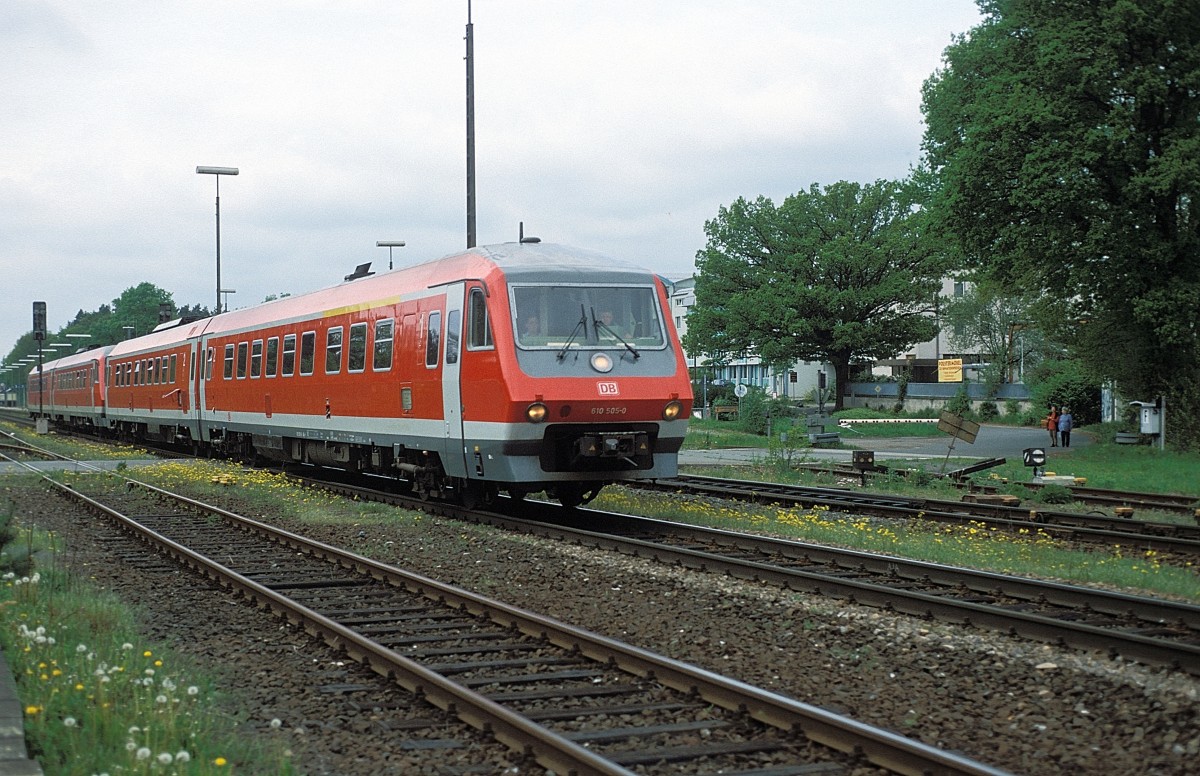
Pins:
<point x="608" y="410"/>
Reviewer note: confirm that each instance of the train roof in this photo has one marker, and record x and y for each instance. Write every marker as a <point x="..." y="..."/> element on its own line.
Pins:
<point x="527" y="261"/>
<point x="76" y="359"/>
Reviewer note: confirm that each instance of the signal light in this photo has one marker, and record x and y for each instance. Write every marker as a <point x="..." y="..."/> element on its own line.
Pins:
<point x="672" y="410"/>
<point x="536" y="412"/>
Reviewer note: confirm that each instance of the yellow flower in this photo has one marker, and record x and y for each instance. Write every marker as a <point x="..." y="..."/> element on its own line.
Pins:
<point x="219" y="762"/>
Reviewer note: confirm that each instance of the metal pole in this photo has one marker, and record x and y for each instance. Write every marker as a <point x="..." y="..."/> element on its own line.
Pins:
<point x="218" y="177"/>
<point x="470" y="130"/>
<point x="1162" y="423"/>
<point x="41" y="379"/>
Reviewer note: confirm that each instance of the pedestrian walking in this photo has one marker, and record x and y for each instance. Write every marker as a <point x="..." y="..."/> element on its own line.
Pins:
<point x="1065" y="424"/>
<point x="1051" y="424"/>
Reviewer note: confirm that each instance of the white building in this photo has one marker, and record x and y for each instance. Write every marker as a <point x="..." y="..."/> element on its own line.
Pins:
<point x="798" y="383"/>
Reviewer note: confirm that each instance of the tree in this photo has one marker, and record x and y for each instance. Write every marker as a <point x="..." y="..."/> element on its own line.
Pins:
<point x="838" y="275"/>
<point x="1065" y="139"/>
<point x="988" y="320"/>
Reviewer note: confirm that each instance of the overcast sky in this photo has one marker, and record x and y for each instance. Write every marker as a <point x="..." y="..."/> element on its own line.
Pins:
<point x="615" y="125"/>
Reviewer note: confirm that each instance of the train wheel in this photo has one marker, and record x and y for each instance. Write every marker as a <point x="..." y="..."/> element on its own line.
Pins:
<point x="576" y="494"/>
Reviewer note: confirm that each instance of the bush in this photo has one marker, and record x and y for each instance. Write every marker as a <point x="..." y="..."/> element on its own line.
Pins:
<point x="1054" y="494"/>
<point x="1012" y="408"/>
<point x="988" y="410"/>
<point x="961" y="403"/>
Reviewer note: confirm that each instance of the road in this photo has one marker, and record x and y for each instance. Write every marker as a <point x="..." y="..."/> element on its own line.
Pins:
<point x="993" y="441"/>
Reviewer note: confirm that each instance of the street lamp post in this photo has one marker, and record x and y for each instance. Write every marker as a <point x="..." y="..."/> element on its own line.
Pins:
<point x="389" y="244"/>
<point x="217" y="172"/>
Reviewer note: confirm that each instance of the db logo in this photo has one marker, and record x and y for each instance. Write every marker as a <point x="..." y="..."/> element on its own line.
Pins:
<point x="608" y="389"/>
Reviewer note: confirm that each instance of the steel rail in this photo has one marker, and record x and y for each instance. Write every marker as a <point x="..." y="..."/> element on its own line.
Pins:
<point x="647" y="537"/>
<point x="1161" y="537"/>
<point x="889" y="750"/>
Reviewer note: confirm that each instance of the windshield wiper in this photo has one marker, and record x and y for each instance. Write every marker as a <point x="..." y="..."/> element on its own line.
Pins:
<point x="582" y="325"/>
<point x="598" y="324"/>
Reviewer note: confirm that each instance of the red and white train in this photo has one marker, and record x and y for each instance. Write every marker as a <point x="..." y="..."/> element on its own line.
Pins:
<point x="515" y="367"/>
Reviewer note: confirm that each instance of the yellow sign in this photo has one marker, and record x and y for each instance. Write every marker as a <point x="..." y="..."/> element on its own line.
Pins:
<point x="949" y="370"/>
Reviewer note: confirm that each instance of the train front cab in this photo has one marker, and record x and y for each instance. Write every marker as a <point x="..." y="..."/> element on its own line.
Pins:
<point x="584" y="384"/>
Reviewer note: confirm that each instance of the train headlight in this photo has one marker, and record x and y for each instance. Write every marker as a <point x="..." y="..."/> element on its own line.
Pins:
<point x="672" y="410"/>
<point x="601" y="362"/>
<point x="536" y="412"/>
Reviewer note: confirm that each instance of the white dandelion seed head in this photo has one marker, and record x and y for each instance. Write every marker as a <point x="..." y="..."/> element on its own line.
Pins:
<point x="165" y="758"/>
<point x="130" y="746"/>
<point x="182" y="756"/>
<point x="193" y="690"/>
<point x="276" y="723"/>
<point x="133" y="731"/>
<point x="143" y="753"/>
<point x="127" y="646"/>
<point x="81" y="648"/>
<point x="160" y="699"/>
<point x="69" y="722"/>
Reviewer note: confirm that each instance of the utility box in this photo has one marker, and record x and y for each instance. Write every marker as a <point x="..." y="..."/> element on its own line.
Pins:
<point x="1149" y="416"/>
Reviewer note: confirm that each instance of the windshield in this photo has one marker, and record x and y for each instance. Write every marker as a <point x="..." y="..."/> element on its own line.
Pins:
<point x="553" y="316"/>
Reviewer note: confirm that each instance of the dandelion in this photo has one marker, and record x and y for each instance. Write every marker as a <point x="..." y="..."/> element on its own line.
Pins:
<point x="193" y="690"/>
<point x="165" y="758"/>
<point x="69" y="722"/>
<point x="143" y="753"/>
<point x="31" y="710"/>
<point x="182" y="756"/>
<point x="220" y="762"/>
<point x="276" y="723"/>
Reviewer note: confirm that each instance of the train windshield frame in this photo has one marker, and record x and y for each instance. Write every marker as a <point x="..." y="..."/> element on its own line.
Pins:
<point x="549" y="316"/>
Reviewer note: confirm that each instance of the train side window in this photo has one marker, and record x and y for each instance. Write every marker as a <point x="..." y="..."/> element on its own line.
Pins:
<point x="432" y="339"/>
<point x="383" y="345"/>
<point x="453" y="319"/>
<point x="212" y="357"/>
<point x="272" y="356"/>
<point x="256" y="359"/>
<point x="308" y="352"/>
<point x="357" y="358"/>
<point x="333" y="350"/>
<point x="174" y="364"/>
<point x="289" y="355"/>
<point x="479" y="326"/>
<point x="229" y="362"/>
<point x="243" y="349"/>
<point x="155" y="370"/>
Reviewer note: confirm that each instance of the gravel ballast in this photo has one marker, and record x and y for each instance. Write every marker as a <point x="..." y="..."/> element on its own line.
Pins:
<point x="1014" y="704"/>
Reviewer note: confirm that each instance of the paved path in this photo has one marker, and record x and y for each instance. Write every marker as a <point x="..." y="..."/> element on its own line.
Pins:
<point x="991" y="442"/>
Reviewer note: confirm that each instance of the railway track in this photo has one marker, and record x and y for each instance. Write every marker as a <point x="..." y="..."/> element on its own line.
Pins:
<point x="1148" y="630"/>
<point x="1097" y="497"/>
<point x="576" y="702"/>
<point x="1072" y="526"/>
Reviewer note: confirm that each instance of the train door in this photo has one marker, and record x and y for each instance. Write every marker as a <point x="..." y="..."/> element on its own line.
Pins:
<point x="198" y="384"/>
<point x="453" y="452"/>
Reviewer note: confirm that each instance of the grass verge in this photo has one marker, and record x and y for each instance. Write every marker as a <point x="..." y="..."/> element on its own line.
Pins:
<point x="1031" y="552"/>
<point x="97" y="698"/>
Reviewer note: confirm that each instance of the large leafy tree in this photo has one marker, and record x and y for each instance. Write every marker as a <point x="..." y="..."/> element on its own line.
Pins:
<point x="1065" y="135"/>
<point x="840" y="274"/>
